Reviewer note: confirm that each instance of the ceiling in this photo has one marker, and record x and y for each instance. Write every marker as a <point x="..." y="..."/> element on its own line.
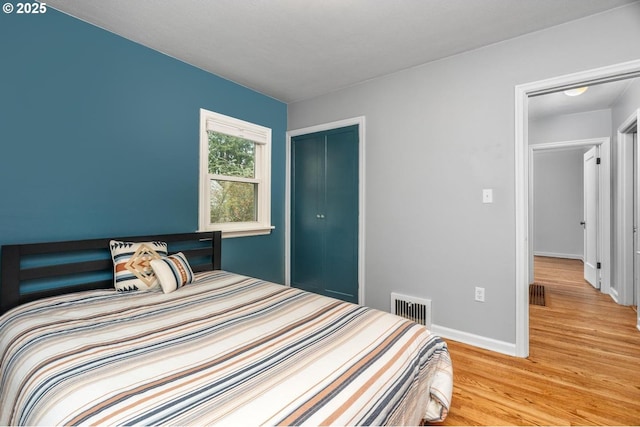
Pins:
<point x="298" y="49"/>
<point x="598" y="97"/>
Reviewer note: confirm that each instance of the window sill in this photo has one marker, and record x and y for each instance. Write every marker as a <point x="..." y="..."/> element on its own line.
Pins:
<point x="242" y="230"/>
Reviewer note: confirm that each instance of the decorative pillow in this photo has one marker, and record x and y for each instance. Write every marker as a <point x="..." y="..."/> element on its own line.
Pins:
<point x="132" y="264"/>
<point x="173" y="272"/>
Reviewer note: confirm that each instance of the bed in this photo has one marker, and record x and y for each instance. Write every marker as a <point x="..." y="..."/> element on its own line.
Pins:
<point x="226" y="349"/>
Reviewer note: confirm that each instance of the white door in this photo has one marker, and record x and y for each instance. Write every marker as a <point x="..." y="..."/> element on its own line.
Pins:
<point x="590" y="222"/>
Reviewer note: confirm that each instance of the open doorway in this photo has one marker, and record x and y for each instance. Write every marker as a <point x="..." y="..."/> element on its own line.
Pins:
<point x="522" y="164"/>
<point x="570" y="206"/>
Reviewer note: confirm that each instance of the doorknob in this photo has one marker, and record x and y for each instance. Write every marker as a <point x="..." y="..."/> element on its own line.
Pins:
<point x="582" y="223"/>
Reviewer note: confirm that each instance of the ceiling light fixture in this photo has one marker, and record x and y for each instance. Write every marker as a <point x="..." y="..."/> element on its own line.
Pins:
<point x="577" y="91"/>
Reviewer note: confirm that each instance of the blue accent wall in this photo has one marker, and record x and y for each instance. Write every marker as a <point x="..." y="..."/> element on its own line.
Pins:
<point x="99" y="138"/>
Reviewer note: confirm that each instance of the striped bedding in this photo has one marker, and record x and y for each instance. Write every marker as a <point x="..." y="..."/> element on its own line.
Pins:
<point x="225" y="350"/>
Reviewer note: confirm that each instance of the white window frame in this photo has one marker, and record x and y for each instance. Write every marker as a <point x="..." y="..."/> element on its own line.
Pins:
<point x="262" y="137"/>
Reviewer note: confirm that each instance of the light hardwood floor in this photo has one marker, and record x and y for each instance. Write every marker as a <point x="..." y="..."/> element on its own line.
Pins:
<point x="583" y="367"/>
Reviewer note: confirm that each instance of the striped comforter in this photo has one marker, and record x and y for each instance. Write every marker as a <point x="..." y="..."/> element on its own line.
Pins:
<point x="227" y="350"/>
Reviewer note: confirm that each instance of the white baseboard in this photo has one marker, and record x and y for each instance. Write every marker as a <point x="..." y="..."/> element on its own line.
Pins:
<point x="559" y="255"/>
<point x="475" y="340"/>
<point x="613" y="293"/>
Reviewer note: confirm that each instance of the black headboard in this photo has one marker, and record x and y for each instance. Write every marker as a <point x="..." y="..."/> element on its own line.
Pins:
<point x="202" y="249"/>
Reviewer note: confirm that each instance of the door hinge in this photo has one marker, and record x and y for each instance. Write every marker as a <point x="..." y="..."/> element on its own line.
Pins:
<point x="598" y="266"/>
<point x="598" y="161"/>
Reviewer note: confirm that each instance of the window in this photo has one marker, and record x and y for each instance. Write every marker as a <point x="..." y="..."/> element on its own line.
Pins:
<point x="235" y="176"/>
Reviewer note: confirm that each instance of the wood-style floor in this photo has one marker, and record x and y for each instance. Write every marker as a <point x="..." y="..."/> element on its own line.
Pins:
<point x="583" y="367"/>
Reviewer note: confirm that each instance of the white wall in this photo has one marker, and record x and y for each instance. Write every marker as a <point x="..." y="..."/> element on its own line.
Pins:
<point x="570" y="127"/>
<point x="625" y="105"/>
<point x="620" y="111"/>
<point x="436" y="136"/>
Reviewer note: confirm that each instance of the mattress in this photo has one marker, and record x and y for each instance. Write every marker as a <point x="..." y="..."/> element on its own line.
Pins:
<point x="225" y="350"/>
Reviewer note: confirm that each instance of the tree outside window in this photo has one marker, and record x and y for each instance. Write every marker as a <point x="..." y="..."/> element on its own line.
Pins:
<point x="231" y="157"/>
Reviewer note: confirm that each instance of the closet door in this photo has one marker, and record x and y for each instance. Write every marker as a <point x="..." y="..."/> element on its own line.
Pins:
<point x="324" y="234"/>
<point x="307" y="203"/>
<point x="341" y="214"/>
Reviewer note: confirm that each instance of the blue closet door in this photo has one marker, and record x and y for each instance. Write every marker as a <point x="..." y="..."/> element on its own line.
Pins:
<point x="307" y="203"/>
<point x="324" y="234"/>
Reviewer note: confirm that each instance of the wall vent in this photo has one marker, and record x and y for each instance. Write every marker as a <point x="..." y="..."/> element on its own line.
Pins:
<point x="412" y="308"/>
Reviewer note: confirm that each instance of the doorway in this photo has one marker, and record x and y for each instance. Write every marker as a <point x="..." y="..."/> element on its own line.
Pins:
<point x="522" y="169"/>
<point x="358" y="124"/>
<point x="590" y="238"/>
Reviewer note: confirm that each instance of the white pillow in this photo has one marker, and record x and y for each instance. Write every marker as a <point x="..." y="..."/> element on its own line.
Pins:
<point x="173" y="272"/>
<point x="131" y="264"/>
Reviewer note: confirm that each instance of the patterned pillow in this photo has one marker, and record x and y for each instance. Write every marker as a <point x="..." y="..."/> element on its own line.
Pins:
<point x="132" y="264"/>
<point x="173" y="272"/>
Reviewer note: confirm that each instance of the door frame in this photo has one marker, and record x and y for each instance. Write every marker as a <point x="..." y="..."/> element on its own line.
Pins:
<point x="604" y="196"/>
<point x="625" y="211"/>
<point x="360" y="122"/>
<point x="521" y="162"/>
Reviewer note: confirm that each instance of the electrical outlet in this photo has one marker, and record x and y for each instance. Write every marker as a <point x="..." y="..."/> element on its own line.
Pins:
<point x="479" y="294"/>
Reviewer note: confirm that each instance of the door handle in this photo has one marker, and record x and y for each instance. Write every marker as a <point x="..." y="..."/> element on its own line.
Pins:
<point x="582" y="223"/>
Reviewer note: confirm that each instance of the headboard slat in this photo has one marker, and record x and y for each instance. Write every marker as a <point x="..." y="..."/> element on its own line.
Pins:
<point x="197" y="252"/>
<point x="63" y="269"/>
<point x="88" y="286"/>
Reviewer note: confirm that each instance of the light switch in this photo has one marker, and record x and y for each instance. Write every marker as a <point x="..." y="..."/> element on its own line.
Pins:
<point x="487" y="195"/>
